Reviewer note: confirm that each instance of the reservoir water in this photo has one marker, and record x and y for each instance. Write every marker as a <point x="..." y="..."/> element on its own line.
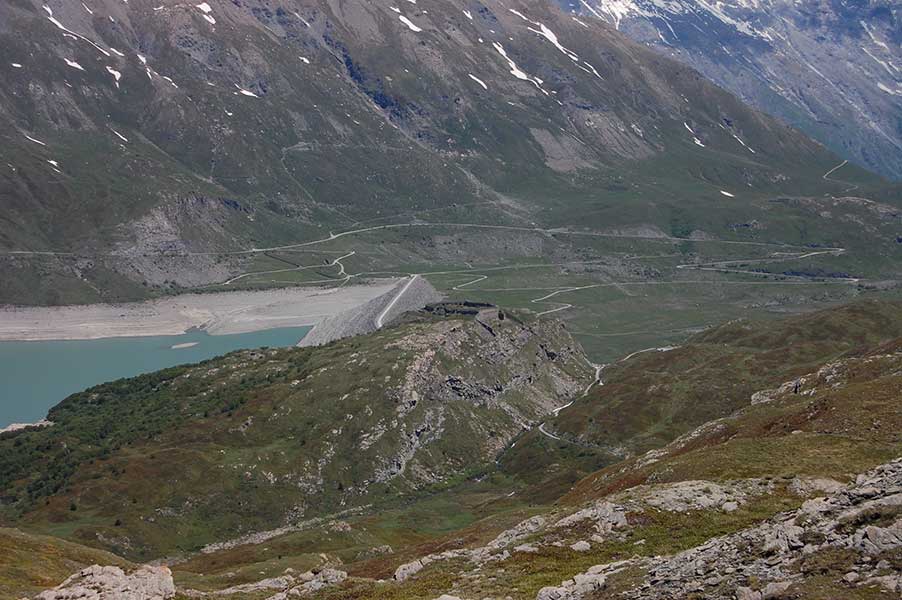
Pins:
<point x="35" y="376"/>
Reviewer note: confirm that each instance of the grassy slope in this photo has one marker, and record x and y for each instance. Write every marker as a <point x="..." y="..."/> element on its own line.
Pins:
<point x="656" y="396"/>
<point x="843" y="421"/>
<point x="30" y="563"/>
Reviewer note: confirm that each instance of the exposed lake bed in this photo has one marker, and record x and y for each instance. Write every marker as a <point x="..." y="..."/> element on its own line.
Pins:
<point x="217" y="313"/>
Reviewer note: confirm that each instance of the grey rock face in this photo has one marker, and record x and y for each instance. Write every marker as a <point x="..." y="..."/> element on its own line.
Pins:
<point x="112" y="583"/>
<point x="605" y="515"/>
<point x="494" y="550"/>
<point x="833" y="69"/>
<point x="759" y="563"/>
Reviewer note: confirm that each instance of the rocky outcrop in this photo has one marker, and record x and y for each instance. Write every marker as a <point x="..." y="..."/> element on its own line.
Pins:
<point x="585" y="584"/>
<point x="289" y="585"/>
<point x="763" y="561"/>
<point x="494" y="550"/>
<point x="310" y="583"/>
<point x="847" y="97"/>
<point x="606" y="517"/>
<point x="112" y="583"/>
<point x="698" y="495"/>
<point x="581" y="585"/>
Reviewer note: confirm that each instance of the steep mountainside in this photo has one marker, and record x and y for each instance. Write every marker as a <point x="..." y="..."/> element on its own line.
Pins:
<point x="159" y="145"/>
<point x="831" y="68"/>
<point x="792" y="493"/>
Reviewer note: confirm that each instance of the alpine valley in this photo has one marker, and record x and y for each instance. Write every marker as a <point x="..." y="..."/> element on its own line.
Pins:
<point x="585" y="324"/>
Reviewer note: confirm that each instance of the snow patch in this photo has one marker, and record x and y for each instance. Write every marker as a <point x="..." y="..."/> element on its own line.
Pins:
<point x="28" y="137"/>
<point x="116" y="75"/>
<point x="516" y="71"/>
<point x="119" y="135"/>
<point x="409" y="24"/>
<point x="205" y="8"/>
<point x="245" y="92"/>
<point x="478" y="80"/>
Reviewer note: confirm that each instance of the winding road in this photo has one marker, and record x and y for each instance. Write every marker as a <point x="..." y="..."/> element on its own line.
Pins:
<point x="334" y="236"/>
<point x="826" y="177"/>
<point x="336" y="262"/>
<point x="596" y="381"/>
<point x="782" y="252"/>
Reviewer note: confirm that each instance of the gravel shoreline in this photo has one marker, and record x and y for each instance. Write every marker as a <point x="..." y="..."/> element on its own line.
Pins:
<point x="219" y="313"/>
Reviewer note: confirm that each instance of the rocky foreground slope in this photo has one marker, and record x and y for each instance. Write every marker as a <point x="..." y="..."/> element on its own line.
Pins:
<point x="859" y="526"/>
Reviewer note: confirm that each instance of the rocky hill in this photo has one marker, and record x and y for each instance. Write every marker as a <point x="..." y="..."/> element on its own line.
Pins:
<point x="253" y="445"/>
<point x="831" y="68"/>
<point x="157" y="146"/>
<point x="260" y="476"/>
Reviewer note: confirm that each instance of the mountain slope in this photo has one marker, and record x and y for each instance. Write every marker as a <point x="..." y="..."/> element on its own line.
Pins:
<point x="270" y="439"/>
<point x="652" y="397"/>
<point x="831" y="68"/>
<point x="156" y="146"/>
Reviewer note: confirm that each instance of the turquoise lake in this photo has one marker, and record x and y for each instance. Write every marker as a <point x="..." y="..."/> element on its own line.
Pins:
<point x="35" y="376"/>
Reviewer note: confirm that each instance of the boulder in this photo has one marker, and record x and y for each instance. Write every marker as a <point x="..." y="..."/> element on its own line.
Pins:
<point x="112" y="583"/>
<point x="783" y="537"/>
<point x="408" y="570"/>
<point x="323" y="579"/>
<point x="775" y="589"/>
<point x="606" y="515"/>
<point x="875" y="540"/>
<point x="744" y="593"/>
<point x="573" y="589"/>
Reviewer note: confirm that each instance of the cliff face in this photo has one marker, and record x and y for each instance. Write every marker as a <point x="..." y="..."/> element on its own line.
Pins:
<point x="831" y="68"/>
<point x="258" y="441"/>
